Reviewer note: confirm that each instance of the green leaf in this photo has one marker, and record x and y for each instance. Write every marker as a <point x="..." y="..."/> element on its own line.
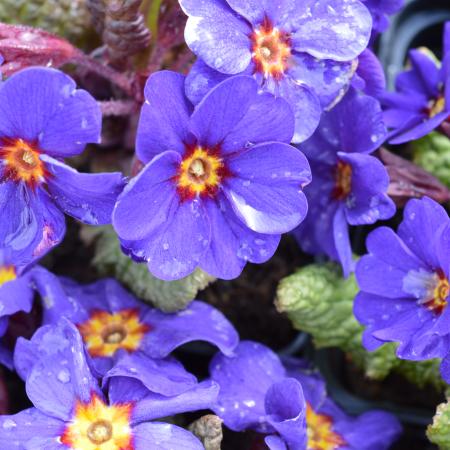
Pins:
<point x="166" y="295"/>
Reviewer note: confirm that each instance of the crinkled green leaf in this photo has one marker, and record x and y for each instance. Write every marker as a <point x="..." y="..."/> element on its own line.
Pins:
<point x="319" y="301"/>
<point x="439" y="431"/>
<point x="165" y="295"/>
<point x="432" y="152"/>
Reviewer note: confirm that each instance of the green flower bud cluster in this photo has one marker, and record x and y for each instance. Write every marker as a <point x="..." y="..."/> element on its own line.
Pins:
<point x="439" y="431"/>
<point x="432" y="152"/>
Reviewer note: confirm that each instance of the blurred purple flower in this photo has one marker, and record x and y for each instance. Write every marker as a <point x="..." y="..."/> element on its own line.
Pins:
<point x="349" y="186"/>
<point x="290" y="405"/>
<point x="43" y="119"/>
<point x="113" y="323"/>
<point x="421" y="102"/>
<point x="301" y="50"/>
<point x="381" y="10"/>
<point x="404" y="284"/>
<point x="71" y="410"/>
<point x="220" y="185"/>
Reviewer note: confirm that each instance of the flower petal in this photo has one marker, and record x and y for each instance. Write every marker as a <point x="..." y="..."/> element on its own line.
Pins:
<point x="161" y="376"/>
<point x="18" y="430"/>
<point x="328" y="79"/>
<point x="342" y="241"/>
<point x="155" y="406"/>
<point x="16" y="295"/>
<point x="266" y="191"/>
<point x="419" y="228"/>
<point x="223" y="108"/>
<point x="286" y="406"/>
<point x="368" y="200"/>
<point x="42" y="104"/>
<point x="89" y="197"/>
<point x="169" y="331"/>
<point x="334" y="29"/>
<point x="244" y="380"/>
<point x="164" y="436"/>
<point x="304" y="103"/>
<point x="62" y="376"/>
<point x="163" y="124"/>
<point x="20" y="224"/>
<point x="217" y="35"/>
<point x="147" y="201"/>
<point x="268" y="119"/>
<point x="233" y="243"/>
<point x="200" y="80"/>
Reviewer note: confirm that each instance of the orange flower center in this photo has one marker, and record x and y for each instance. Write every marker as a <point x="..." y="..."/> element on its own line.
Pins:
<point x="104" y="333"/>
<point x="200" y="173"/>
<point x="320" y="431"/>
<point x="343" y="181"/>
<point x="271" y="50"/>
<point x="7" y="273"/>
<point x="97" y="426"/>
<point x="22" y="162"/>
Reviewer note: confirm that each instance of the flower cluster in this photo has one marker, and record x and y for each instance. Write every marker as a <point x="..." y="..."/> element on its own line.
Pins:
<point x="276" y="128"/>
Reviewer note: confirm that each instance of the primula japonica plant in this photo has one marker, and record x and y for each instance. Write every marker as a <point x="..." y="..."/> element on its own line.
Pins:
<point x="246" y="149"/>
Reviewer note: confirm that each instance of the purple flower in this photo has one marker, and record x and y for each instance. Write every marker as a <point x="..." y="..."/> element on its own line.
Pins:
<point x="349" y="186"/>
<point x="220" y="183"/>
<point x="380" y="10"/>
<point x="421" y="102"/>
<point x="302" y="50"/>
<point x="113" y="323"/>
<point x="43" y="119"/>
<point x="19" y="282"/>
<point x="404" y="284"/>
<point x="72" y="411"/>
<point x="290" y="405"/>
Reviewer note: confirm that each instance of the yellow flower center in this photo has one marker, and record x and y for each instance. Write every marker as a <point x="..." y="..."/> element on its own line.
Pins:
<point x="200" y="173"/>
<point x="22" y="161"/>
<point x="436" y="106"/>
<point x="438" y="303"/>
<point x="105" y="333"/>
<point x="7" y="273"/>
<point x="271" y="50"/>
<point x="343" y="181"/>
<point x="97" y="426"/>
<point x="320" y="431"/>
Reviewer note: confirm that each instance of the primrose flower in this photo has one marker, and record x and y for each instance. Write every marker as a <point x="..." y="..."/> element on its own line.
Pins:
<point x="349" y="186"/>
<point x="113" y="323"/>
<point x="72" y="412"/>
<point x="404" y="284"/>
<point x="220" y="185"/>
<point x="20" y="280"/>
<point x="43" y="119"/>
<point x="290" y="405"/>
<point x="421" y="102"/>
<point x="301" y="50"/>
